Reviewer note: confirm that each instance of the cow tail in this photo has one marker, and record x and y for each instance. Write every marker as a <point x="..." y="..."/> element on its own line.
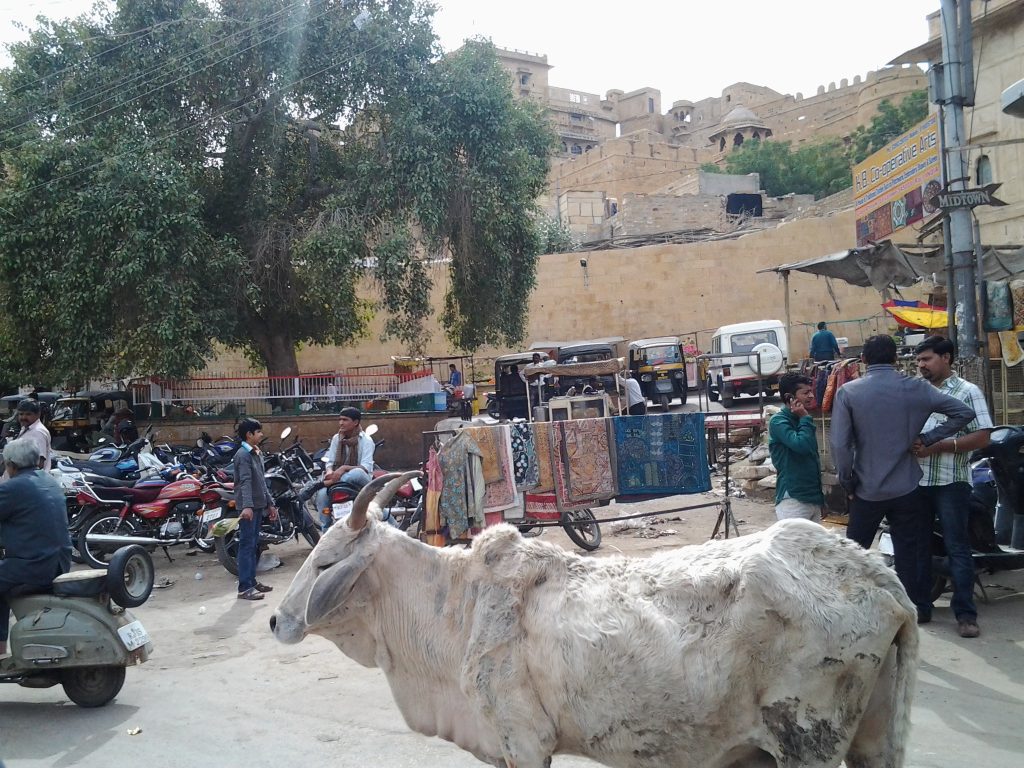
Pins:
<point x="907" y="648"/>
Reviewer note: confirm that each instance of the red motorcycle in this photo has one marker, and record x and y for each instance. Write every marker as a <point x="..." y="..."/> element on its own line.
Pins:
<point x="150" y="516"/>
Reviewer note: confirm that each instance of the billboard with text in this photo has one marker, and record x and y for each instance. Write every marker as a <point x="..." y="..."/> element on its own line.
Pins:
<point x="892" y="187"/>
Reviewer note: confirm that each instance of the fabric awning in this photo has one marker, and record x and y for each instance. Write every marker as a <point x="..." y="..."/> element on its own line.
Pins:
<point x="885" y="265"/>
<point x="931" y="318"/>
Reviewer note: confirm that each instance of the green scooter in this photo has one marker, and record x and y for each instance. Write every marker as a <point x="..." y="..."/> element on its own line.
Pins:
<point x="79" y="632"/>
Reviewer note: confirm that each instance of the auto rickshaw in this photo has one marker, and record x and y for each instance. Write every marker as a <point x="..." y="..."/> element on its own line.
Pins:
<point x="508" y="401"/>
<point x="9" y="411"/>
<point x="78" y="418"/>
<point x="660" y="367"/>
<point x="585" y="352"/>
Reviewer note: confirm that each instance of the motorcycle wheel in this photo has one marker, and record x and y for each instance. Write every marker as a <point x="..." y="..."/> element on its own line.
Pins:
<point x="103" y="521"/>
<point x="130" y="576"/>
<point x="227" y="551"/>
<point x="92" y="686"/>
<point x="581" y="526"/>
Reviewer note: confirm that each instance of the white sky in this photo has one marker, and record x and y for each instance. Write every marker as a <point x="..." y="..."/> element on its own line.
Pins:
<point x="688" y="49"/>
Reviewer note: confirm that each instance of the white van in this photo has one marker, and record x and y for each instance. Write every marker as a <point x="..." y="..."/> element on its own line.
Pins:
<point x="747" y="346"/>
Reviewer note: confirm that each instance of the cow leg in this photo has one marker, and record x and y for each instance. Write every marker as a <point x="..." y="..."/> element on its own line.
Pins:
<point x="873" y="743"/>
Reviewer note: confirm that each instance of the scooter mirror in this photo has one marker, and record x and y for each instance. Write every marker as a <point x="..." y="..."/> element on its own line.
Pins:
<point x="371" y="430"/>
<point x="199" y="443"/>
<point x="285" y="432"/>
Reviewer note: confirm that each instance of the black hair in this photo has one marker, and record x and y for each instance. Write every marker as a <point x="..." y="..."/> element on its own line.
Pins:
<point x="940" y="345"/>
<point x="879" y="350"/>
<point x="821" y="326"/>
<point x="789" y="383"/>
<point x="247" y="425"/>
<point x="28" y="405"/>
<point x="451" y="365"/>
<point x="351" y="413"/>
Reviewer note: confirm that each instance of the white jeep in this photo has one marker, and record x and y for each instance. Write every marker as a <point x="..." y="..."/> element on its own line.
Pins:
<point x="753" y="359"/>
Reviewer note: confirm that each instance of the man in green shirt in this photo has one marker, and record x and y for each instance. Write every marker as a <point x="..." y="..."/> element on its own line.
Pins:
<point x="793" y="446"/>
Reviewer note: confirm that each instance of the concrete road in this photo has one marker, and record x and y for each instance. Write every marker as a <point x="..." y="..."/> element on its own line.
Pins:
<point x="219" y="691"/>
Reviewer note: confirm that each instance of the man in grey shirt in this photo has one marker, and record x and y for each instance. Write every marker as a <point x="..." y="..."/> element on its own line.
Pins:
<point x="875" y="423"/>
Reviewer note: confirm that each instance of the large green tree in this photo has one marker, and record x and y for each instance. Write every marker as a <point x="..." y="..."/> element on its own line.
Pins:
<point x="175" y="173"/>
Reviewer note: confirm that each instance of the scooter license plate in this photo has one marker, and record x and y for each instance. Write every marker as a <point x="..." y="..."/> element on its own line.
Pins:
<point x="885" y="544"/>
<point x="416" y="484"/>
<point x="213" y="514"/>
<point x="133" y="635"/>
<point x="341" y="510"/>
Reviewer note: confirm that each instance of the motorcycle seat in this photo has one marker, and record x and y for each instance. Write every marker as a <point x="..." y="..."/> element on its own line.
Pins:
<point x="108" y="482"/>
<point x="99" y="468"/>
<point x="136" y="495"/>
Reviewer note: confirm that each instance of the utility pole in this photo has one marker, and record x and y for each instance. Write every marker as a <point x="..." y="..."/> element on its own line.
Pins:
<point x="953" y="87"/>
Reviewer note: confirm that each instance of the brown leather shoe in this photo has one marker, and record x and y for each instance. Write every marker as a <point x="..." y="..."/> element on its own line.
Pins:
<point x="968" y="628"/>
<point x="263" y="588"/>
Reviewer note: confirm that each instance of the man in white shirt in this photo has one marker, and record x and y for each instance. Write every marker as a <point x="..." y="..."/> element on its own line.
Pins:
<point x="635" y="401"/>
<point x="32" y="429"/>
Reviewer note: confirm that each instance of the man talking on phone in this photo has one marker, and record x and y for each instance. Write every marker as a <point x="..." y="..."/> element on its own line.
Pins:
<point x="793" y="445"/>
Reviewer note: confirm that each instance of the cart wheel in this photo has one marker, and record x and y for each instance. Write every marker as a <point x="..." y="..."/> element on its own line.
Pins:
<point x="664" y="400"/>
<point x="581" y="526"/>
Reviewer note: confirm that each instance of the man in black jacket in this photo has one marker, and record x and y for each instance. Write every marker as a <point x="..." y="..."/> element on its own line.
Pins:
<point x="253" y="498"/>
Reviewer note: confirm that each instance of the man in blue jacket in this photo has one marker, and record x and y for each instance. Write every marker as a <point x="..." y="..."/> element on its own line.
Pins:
<point x="824" y="345"/>
<point x="253" y="498"/>
<point x="878" y="424"/>
<point x="33" y="527"/>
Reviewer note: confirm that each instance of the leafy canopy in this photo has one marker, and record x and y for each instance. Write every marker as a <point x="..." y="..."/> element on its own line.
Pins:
<point x="174" y="174"/>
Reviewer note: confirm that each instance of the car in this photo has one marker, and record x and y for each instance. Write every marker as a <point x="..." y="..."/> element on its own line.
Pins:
<point x="747" y="358"/>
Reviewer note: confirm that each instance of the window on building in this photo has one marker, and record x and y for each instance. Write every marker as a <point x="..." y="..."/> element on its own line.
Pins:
<point x="589" y="147"/>
<point x="577" y="149"/>
<point x="686" y="118"/>
<point x="650" y="105"/>
<point x="575" y="117"/>
<point x="721" y="145"/>
<point x="983" y="171"/>
<point x="524" y="79"/>
<point x="565" y="147"/>
<point x="575" y="98"/>
<point x="737" y="140"/>
<point x="756" y="136"/>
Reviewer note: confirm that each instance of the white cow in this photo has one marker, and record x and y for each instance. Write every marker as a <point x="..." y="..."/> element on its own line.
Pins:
<point x="791" y="647"/>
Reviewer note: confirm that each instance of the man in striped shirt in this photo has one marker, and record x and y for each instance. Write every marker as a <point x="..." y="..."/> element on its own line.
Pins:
<point x="946" y="484"/>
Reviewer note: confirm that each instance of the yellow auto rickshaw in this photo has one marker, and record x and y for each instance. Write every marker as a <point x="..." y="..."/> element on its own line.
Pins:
<point x="77" y="419"/>
<point x="660" y="366"/>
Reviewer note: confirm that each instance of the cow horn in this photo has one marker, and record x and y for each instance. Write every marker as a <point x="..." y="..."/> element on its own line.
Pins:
<point x="357" y="518"/>
<point x="383" y="498"/>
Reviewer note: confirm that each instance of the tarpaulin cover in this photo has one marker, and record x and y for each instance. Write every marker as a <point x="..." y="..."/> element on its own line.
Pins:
<point x="921" y="316"/>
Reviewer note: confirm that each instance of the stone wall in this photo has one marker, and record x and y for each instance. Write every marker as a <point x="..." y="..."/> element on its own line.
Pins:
<point x="658" y="290"/>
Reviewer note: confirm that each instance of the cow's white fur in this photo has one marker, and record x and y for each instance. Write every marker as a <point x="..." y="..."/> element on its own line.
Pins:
<point x="790" y="647"/>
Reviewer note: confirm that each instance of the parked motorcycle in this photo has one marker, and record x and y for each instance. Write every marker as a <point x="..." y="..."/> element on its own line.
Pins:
<point x="156" y="515"/>
<point x="78" y="632"/>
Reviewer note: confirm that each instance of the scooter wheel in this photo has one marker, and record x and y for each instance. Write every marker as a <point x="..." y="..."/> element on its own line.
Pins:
<point x="130" y="576"/>
<point x="92" y="686"/>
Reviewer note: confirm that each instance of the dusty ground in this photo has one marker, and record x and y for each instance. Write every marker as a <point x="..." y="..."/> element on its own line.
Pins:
<point x="219" y="691"/>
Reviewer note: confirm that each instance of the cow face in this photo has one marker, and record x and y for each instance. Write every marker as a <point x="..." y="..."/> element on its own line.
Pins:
<point x="326" y="580"/>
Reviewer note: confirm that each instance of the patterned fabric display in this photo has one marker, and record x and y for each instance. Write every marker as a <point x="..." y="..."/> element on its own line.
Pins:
<point x="487" y="438"/>
<point x="542" y="445"/>
<point x="524" y="456"/>
<point x="462" y="489"/>
<point x="582" y="458"/>
<point x="662" y="454"/>
<point x="502" y="494"/>
<point x="1017" y="292"/>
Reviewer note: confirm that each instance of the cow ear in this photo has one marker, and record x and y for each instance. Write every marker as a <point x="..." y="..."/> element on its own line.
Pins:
<point x="332" y="587"/>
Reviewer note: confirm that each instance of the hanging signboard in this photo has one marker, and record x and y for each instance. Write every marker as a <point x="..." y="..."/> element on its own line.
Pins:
<point x="894" y="187"/>
<point x="968" y="198"/>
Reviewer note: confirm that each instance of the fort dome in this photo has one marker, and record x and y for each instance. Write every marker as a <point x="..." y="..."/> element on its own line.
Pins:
<point x="742" y="117"/>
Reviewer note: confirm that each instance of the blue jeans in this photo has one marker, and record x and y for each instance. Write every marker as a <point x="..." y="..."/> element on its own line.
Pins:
<point x="249" y="549"/>
<point x="951" y="504"/>
<point x="355" y="477"/>
<point x="910" y="528"/>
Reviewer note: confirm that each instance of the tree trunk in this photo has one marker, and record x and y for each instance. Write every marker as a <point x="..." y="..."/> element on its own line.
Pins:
<point x="277" y="349"/>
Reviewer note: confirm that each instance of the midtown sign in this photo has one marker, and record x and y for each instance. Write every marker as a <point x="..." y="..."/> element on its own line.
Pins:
<point x="967" y="198"/>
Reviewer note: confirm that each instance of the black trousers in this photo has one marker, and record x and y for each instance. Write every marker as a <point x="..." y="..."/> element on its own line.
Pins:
<point x="638" y="409"/>
<point x="910" y="528"/>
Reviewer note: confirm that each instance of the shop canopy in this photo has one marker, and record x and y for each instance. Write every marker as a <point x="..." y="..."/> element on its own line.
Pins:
<point x="596" y="368"/>
<point x="885" y="265"/>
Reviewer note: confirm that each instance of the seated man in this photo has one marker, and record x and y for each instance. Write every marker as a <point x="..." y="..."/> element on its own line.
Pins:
<point x="349" y="459"/>
<point x="33" y="526"/>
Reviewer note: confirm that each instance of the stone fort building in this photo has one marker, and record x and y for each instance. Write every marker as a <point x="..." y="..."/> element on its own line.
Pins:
<point x="629" y="167"/>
